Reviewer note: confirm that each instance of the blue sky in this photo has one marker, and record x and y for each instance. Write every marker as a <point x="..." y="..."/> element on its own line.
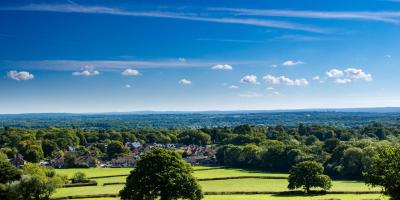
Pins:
<point x="94" y="56"/>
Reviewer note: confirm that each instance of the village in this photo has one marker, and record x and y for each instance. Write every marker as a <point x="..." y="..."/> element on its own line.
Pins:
<point x="193" y="154"/>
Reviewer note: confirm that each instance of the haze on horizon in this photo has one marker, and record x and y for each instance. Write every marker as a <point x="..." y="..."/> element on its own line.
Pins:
<point x="96" y="56"/>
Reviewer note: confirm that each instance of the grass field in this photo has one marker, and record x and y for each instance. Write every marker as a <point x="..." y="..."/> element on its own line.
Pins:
<point x="272" y="197"/>
<point x="250" y="184"/>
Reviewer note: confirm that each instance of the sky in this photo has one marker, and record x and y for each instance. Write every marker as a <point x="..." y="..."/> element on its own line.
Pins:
<point x="120" y="56"/>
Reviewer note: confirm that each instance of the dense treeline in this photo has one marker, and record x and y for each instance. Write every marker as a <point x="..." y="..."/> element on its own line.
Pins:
<point x="344" y="152"/>
<point x="202" y="119"/>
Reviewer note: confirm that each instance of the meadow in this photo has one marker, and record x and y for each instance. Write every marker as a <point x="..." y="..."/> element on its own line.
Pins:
<point x="230" y="185"/>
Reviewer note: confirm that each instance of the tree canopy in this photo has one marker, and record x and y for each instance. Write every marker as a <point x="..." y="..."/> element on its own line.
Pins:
<point x="384" y="171"/>
<point x="308" y="174"/>
<point x="161" y="174"/>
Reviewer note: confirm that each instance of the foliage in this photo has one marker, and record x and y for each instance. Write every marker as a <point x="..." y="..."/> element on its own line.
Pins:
<point x="384" y="171"/>
<point x="8" y="174"/>
<point x="79" y="177"/>
<point x="36" y="183"/>
<point x="115" y="148"/>
<point x="161" y="173"/>
<point x="308" y="174"/>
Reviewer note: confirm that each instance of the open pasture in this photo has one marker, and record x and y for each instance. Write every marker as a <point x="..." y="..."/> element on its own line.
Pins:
<point x="230" y="185"/>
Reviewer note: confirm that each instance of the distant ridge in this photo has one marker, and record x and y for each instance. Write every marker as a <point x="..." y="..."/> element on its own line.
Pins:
<point x="351" y="110"/>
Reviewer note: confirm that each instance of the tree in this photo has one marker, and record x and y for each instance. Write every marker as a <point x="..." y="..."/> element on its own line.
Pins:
<point x="308" y="174"/>
<point x="331" y="144"/>
<point x="8" y="173"/>
<point x="36" y="183"/>
<point x="115" y="148"/>
<point x="195" y="137"/>
<point x="384" y="171"/>
<point x="351" y="162"/>
<point x="80" y="177"/>
<point x="161" y="174"/>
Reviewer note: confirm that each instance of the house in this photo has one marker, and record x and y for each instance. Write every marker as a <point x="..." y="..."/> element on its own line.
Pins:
<point x="124" y="161"/>
<point x="89" y="160"/>
<point x="18" y="161"/>
<point x="57" y="162"/>
<point x="201" y="160"/>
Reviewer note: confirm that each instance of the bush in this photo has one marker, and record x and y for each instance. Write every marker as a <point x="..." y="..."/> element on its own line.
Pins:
<point x="80" y="177"/>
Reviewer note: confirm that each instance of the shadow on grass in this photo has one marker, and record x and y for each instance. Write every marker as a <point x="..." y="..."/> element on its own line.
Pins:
<point x="300" y="194"/>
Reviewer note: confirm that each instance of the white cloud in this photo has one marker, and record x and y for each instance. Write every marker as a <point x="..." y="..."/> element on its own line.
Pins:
<point x="20" y="76"/>
<point x="270" y="88"/>
<point x="353" y="73"/>
<point x="274" y="66"/>
<point x="276" y="93"/>
<point x="335" y="73"/>
<point x="130" y="72"/>
<point x="86" y="72"/>
<point x="181" y="59"/>
<point x="342" y="80"/>
<point x="233" y="87"/>
<point x="289" y="63"/>
<point x="222" y="67"/>
<point x="250" y="79"/>
<point x="250" y="95"/>
<point x="276" y="80"/>
<point x="348" y="75"/>
<point x="127" y="86"/>
<point x="316" y="78"/>
<point x="184" y="82"/>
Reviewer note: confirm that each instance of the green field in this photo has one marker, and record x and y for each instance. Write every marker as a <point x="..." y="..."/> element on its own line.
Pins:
<point x="249" y="184"/>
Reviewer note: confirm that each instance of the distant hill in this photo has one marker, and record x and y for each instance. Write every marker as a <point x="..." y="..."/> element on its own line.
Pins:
<point x="155" y="119"/>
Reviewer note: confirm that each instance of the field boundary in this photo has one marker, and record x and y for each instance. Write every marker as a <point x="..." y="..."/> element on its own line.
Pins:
<point x="286" y="193"/>
<point x="208" y="179"/>
<point x="91" y="183"/>
<point x="85" y="196"/>
<point x="110" y="176"/>
<point x="216" y="179"/>
<point x="241" y="177"/>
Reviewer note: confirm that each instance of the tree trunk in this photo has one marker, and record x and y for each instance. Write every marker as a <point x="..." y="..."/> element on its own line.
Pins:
<point x="307" y="188"/>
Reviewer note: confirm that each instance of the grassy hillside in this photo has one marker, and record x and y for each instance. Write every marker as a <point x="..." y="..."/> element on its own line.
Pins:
<point x="248" y="184"/>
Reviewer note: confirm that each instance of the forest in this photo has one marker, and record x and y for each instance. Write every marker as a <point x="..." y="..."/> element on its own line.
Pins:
<point x="142" y="120"/>
<point x="345" y="152"/>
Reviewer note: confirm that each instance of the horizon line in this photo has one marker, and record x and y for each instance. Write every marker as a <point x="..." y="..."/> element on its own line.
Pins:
<point x="207" y="111"/>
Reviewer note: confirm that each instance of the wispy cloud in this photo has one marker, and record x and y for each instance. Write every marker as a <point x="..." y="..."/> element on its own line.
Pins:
<point x="299" y="38"/>
<point x="76" y="8"/>
<point x="230" y="40"/>
<point x="289" y="63"/>
<point x="104" y="65"/>
<point x="384" y="16"/>
<point x="250" y="95"/>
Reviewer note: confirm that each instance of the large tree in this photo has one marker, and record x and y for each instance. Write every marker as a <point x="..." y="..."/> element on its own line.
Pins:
<point x="308" y="174"/>
<point x="161" y="174"/>
<point x="8" y="173"/>
<point x="115" y="148"/>
<point x="36" y="183"/>
<point x="384" y="171"/>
